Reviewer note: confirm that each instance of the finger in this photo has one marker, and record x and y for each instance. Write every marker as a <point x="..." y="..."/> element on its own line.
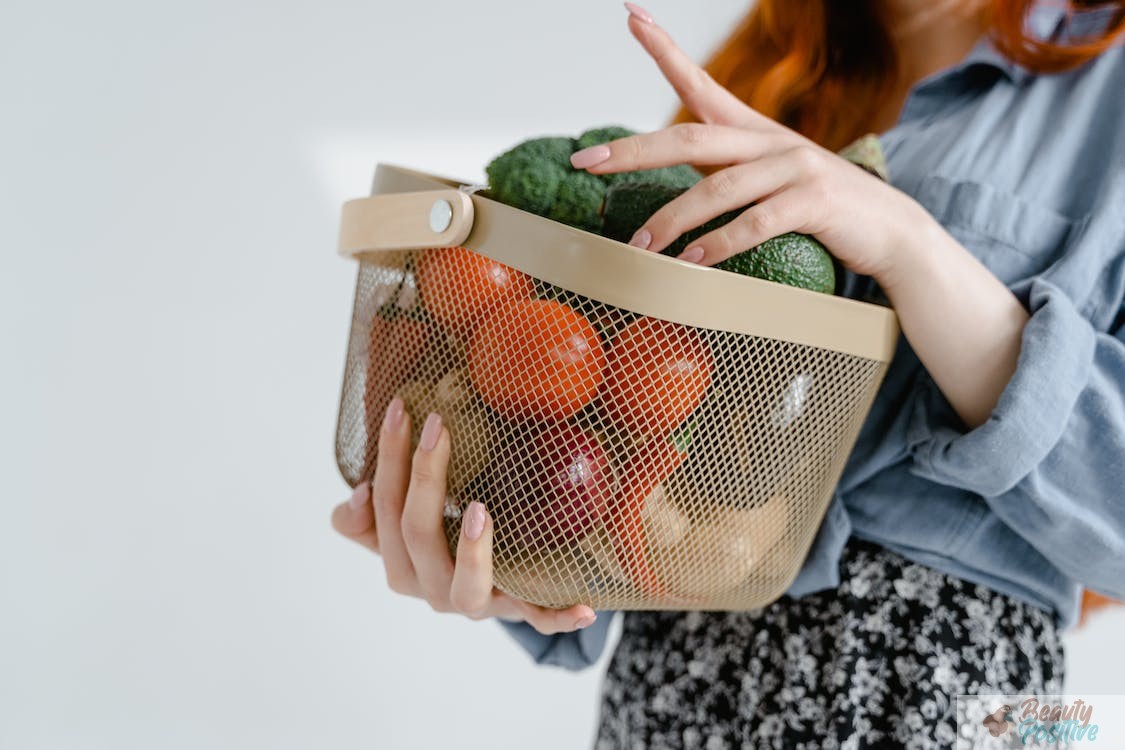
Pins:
<point x="388" y="494"/>
<point x="774" y="216"/>
<point x="471" y="592"/>
<point x="551" y="621"/>
<point x="355" y="519"/>
<point x="700" y="93"/>
<point x="685" y="143"/>
<point x="422" y="516"/>
<point x="725" y="190"/>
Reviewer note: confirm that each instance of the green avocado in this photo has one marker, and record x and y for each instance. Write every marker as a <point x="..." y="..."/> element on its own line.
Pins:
<point x="794" y="259"/>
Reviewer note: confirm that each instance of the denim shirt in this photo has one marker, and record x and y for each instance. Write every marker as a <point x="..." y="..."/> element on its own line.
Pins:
<point x="1027" y="172"/>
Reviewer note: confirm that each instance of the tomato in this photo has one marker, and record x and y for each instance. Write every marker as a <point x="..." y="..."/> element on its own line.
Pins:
<point x="458" y="286"/>
<point x="658" y="374"/>
<point x="536" y="359"/>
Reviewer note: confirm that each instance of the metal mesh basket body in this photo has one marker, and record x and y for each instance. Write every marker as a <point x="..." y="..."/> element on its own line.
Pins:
<point x="643" y="439"/>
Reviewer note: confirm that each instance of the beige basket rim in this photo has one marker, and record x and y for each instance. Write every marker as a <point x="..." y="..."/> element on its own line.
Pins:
<point x="639" y="280"/>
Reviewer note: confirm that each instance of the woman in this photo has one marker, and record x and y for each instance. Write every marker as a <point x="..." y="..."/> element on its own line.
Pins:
<point x="985" y="487"/>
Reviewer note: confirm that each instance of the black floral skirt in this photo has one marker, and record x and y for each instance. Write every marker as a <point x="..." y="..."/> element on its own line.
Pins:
<point x="876" y="663"/>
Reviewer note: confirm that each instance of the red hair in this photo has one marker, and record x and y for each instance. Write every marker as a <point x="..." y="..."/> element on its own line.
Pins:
<point x="824" y="67"/>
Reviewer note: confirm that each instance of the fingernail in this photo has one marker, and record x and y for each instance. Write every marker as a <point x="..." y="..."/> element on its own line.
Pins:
<point x="641" y="239"/>
<point x="638" y="12"/>
<point x="360" y="496"/>
<point x="473" y="522"/>
<point x="585" y="622"/>
<point x="393" y="418"/>
<point x="588" y="157"/>
<point x="431" y="431"/>
<point x="693" y="254"/>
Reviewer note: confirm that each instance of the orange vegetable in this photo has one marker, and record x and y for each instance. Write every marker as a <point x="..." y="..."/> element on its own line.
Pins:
<point x="658" y="374"/>
<point x="641" y="475"/>
<point x="458" y="286"/>
<point x="536" y="359"/>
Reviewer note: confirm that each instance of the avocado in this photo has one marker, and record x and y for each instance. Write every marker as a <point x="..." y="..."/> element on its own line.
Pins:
<point x="793" y="259"/>
<point x="790" y="258"/>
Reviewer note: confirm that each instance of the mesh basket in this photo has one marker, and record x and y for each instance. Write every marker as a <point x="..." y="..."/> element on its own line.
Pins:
<point x="646" y="433"/>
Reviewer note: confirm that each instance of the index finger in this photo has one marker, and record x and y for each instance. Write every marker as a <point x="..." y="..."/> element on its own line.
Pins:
<point x="700" y="93"/>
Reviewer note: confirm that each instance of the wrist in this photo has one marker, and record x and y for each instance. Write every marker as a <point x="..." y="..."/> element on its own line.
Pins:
<point x="913" y="250"/>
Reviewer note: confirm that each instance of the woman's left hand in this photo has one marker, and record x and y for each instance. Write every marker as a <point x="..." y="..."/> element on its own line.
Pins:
<point x="794" y="184"/>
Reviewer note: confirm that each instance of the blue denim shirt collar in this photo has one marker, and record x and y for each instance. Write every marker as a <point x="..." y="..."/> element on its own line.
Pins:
<point x="1044" y="22"/>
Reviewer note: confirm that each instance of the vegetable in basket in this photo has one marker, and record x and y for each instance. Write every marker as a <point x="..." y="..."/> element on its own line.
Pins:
<point x="536" y="359"/>
<point x="665" y="524"/>
<point x="641" y="475"/>
<point x="547" y="487"/>
<point x="397" y="340"/>
<point x="471" y="428"/>
<point x="772" y="440"/>
<point x="458" y="286"/>
<point x="794" y="259"/>
<point x="721" y="551"/>
<point x="665" y="521"/>
<point x="658" y="373"/>
<point x="536" y="176"/>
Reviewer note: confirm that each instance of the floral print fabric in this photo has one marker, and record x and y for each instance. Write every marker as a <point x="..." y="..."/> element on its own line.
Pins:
<point x="876" y="663"/>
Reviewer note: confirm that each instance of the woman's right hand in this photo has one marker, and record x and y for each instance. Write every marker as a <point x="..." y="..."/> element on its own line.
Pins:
<point x="399" y="516"/>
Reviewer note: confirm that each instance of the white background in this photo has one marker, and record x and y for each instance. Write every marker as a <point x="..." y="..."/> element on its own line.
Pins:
<point x="172" y="324"/>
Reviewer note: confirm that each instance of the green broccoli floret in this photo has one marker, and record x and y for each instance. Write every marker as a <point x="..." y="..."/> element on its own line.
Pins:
<point x="596" y="136"/>
<point x="680" y="176"/>
<point x="579" y="201"/>
<point x="529" y="175"/>
<point x="537" y="176"/>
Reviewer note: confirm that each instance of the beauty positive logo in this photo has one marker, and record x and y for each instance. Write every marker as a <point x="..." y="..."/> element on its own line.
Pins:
<point x="1039" y="721"/>
<point x="1063" y="724"/>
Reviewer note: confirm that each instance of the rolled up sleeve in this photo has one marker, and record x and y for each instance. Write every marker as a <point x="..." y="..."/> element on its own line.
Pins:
<point x="573" y="651"/>
<point x="1050" y="460"/>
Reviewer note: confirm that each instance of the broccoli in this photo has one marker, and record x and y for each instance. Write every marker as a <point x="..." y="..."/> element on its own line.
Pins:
<point x="536" y="176"/>
<point x="680" y="176"/>
<point x="594" y="136"/>
<point x="529" y="175"/>
<point x="579" y="201"/>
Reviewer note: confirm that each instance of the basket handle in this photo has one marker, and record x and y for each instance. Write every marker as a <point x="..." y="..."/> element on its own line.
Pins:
<point x="405" y="221"/>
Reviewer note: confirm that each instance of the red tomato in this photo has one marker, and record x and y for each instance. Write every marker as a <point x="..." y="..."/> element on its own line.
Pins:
<point x="536" y="359"/>
<point x="458" y="286"/>
<point x="658" y="374"/>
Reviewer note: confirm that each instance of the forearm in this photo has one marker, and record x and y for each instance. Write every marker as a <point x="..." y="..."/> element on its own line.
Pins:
<point x="962" y="322"/>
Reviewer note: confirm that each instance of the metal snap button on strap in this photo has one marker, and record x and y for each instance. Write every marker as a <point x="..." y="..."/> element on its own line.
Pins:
<point x="405" y="221"/>
<point x="441" y="215"/>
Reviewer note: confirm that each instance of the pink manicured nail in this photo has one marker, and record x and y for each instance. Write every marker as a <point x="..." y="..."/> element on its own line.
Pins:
<point x="360" y="496"/>
<point x="585" y="622"/>
<point x="641" y="239"/>
<point x="693" y="254"/>
<point x="393" y="418"/>
<point x="431" y="431"/>
<point x="474" y="521"/>
<point x="638" y="12"/>
<point x="588" y="157"/>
